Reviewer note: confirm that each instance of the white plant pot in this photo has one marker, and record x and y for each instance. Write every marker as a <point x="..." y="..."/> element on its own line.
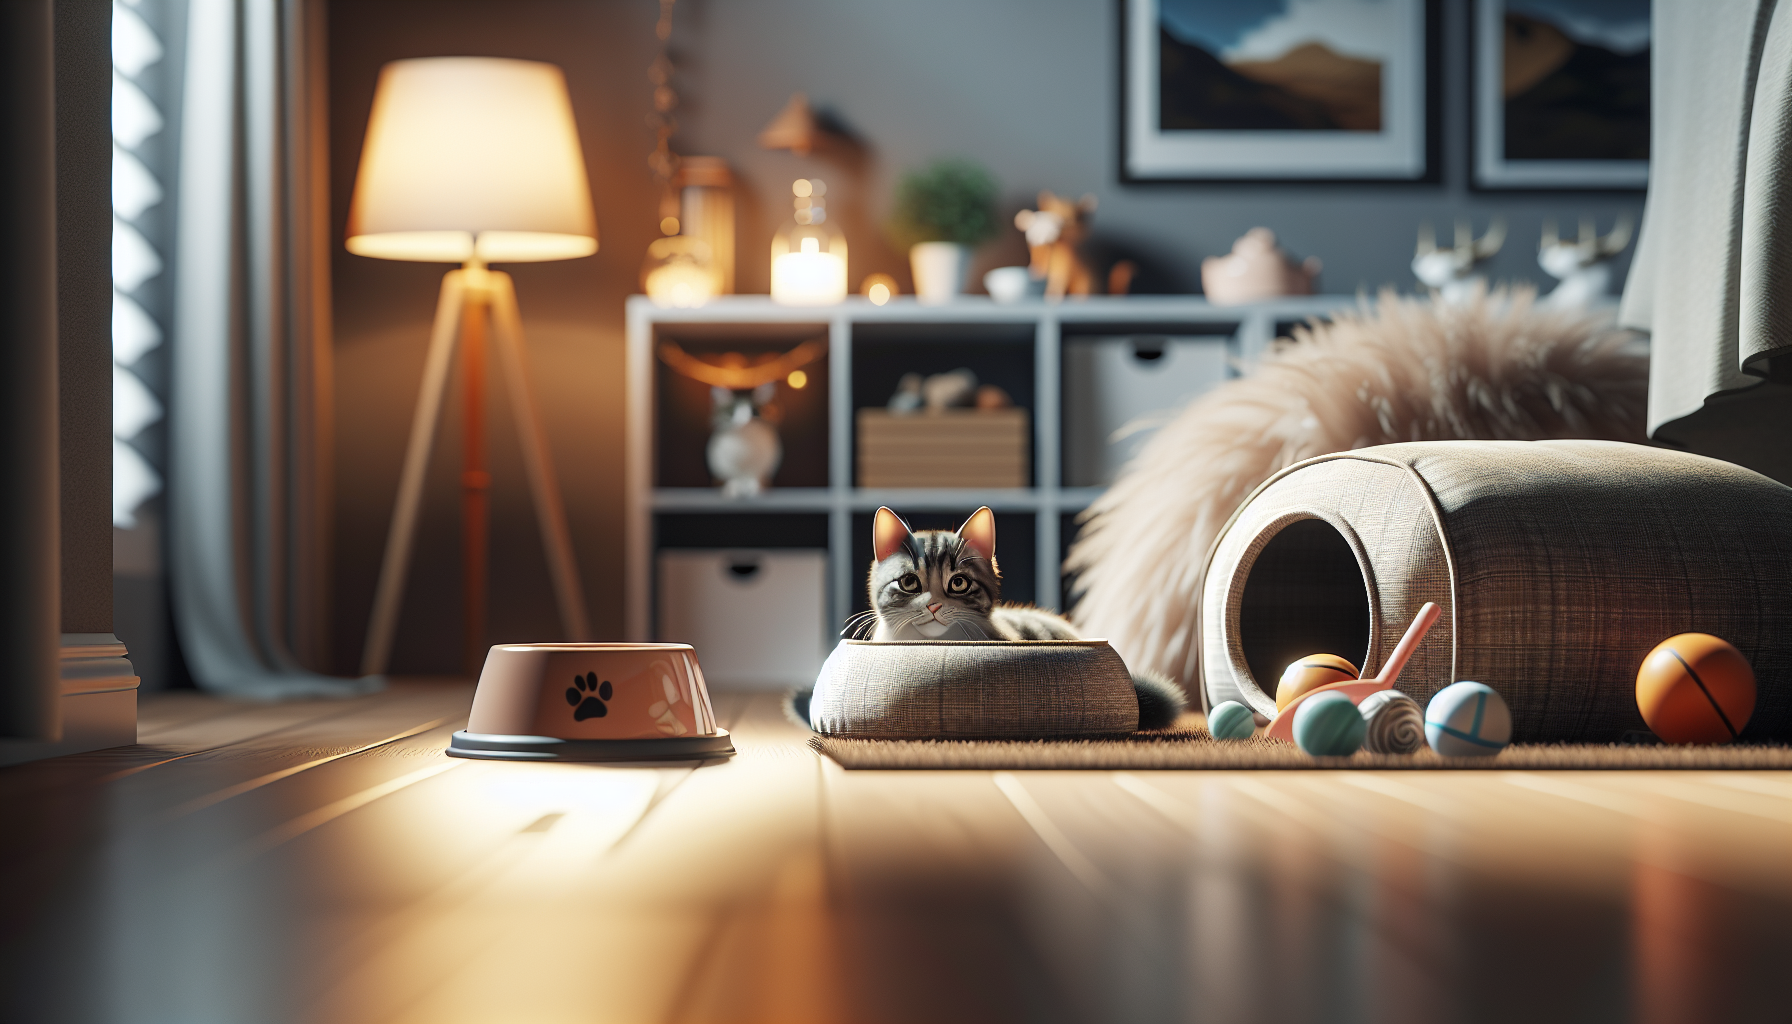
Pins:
<point x="940" y="269"/>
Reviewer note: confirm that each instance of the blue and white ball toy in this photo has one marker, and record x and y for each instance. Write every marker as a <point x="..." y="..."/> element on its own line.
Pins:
<point x="1329" y="725"/>
<point x="1231" y="721"/>
<point x="1468" y="720"/>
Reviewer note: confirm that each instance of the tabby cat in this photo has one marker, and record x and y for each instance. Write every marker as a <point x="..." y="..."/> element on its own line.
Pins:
<point x="935" y="585"/>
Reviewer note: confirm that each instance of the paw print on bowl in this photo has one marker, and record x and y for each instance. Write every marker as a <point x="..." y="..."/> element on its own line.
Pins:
<point x="587" y="697"/>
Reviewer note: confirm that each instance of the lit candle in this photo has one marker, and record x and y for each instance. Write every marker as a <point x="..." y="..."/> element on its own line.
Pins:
<point x="809" y="255"/>
<point x="808" y="277"/>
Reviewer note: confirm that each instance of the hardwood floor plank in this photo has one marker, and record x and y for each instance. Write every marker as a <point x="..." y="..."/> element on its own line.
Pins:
<point x="326" y="862"/>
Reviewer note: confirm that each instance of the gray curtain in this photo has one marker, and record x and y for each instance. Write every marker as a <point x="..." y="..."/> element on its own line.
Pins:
<point x="1712" y="278"/>
<point x="248" y="404"/>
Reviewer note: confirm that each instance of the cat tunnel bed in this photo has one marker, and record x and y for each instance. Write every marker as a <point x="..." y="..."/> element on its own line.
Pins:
<point x="961" y="689"/>
<point x="1558" y="566"/>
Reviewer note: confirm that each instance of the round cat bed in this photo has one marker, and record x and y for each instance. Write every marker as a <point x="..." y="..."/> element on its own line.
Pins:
<point x="973" y="688"/>
<point x="1558" y="566"/>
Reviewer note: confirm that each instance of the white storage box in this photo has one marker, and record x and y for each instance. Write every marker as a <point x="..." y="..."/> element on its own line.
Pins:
<point x="1110" y="383"/>
<point x="758" y="619"/>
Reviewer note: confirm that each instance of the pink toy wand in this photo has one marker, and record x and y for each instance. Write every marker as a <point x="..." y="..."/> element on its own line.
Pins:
<point x="1282" y="726"/>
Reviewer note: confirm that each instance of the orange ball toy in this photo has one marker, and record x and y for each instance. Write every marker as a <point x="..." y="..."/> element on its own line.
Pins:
<point x="1309" y="673"/>
<point x="1695" y="688"/>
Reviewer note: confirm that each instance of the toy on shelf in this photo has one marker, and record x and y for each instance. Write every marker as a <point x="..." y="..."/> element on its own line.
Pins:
<point x="1452" y="271"/>
<point x="1583" y="266"/>
<point x="1310" y="673"/>
<point x="1281" y="727"/>
<point x="1329" y="725"/>
<point x="1396" y="723"/>
<point x="1695" y="688"/>
<point x="1231" y="721"/>
<point x="1468" y="719"/>
<point x="1256" y="269"/>
<point x="1053" y="232"/>
<point x="744" y="451"/>
<point x="944" y="430"/>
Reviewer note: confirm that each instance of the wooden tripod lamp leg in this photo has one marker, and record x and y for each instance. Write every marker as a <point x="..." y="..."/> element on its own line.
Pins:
<point x="475" y="479"/>
<point x="507" y="331"/>
<point x="387" y="597"/>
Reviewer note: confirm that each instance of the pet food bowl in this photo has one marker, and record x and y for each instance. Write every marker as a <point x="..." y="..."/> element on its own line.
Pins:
<point x="591" y="702"/>
<point x="974" y="688"/>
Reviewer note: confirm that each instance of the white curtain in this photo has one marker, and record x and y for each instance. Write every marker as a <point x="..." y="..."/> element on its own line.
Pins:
<point x="250" y="349"/>
<point x="1712" y="278"/>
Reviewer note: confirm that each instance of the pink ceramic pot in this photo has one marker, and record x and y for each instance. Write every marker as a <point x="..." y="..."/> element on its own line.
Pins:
<point x="591" y="702"/>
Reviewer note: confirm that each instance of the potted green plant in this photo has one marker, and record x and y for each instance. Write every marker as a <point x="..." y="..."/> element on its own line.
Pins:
<point x="941" y="213"/>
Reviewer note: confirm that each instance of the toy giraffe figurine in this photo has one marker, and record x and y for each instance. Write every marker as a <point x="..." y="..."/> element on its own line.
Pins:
<point x="1584" y="265"/>
<point x="1452" y="271"/>
<point x="1053" y="232"/>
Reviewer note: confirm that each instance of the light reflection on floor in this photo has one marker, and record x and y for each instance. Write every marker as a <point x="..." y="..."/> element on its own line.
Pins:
<point x="400" y="886"/>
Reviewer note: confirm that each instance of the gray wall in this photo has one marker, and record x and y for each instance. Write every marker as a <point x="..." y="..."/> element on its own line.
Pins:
<point x="1026" y="88"/>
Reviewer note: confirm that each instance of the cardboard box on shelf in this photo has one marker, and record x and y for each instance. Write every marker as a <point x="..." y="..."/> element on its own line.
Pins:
<point x="948" y="448"/>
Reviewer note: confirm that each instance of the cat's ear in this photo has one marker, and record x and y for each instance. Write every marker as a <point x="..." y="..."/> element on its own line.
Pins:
<point x="979" y="532"/>
<point x="888" y="533"/>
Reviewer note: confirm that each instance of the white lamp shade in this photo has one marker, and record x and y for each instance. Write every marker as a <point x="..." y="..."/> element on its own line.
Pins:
<point x="471" y="157"/>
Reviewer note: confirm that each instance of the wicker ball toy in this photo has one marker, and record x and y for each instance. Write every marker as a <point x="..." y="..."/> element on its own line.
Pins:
<point x="1395" y="722"/>
<point x="1309" y="673"/>
<point x="1231" y="721"/>
<point x="1695" y="688"/>
<point x="1329" y="725"/>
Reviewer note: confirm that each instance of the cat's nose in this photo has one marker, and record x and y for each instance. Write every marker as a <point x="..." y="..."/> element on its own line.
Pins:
<point x="935" y="607"/>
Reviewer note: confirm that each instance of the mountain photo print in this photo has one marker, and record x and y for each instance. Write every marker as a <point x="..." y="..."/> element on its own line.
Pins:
<point x="1275" y="89"/>
<point x="1562" y="93"/>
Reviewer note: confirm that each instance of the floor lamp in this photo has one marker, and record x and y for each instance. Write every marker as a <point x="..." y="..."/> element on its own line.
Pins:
<point x="472" y="160"/>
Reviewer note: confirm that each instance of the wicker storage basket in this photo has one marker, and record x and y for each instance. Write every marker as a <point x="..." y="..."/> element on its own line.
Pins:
<point x="1558" y="565"/>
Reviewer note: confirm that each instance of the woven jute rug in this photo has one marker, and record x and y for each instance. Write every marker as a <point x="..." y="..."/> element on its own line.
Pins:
<point x="1192" y="748"/>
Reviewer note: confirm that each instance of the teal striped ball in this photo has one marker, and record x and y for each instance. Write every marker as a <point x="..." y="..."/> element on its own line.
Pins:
<point x="1329" y="725"/>
<point x="1468" y="720"/>
<point x="1231" y="721"/>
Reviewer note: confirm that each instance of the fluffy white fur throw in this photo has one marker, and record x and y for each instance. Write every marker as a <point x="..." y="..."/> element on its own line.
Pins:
<point x="1398" y="369"/>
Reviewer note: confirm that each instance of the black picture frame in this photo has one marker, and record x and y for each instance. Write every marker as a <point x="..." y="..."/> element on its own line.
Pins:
<point x="1260" y="156"/>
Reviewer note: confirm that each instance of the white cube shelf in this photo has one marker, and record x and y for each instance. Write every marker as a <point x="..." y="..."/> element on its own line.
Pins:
<point x="1243" y="332"/>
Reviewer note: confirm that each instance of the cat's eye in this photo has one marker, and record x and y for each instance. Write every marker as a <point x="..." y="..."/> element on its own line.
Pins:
<point x="958" y="585"/>
<point x="909" y="582"/>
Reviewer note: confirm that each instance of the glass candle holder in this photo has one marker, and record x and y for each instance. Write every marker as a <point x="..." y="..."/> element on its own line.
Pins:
<point x="808" y="253"/>
<point x="680" y="271"/>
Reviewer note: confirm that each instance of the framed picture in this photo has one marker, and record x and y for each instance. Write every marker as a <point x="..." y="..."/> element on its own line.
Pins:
<point x="1561" y="94"/>
<point x="1264" y="90"/>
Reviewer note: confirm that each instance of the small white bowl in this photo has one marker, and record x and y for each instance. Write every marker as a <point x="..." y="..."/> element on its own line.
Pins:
<point x="1009" y="285"/>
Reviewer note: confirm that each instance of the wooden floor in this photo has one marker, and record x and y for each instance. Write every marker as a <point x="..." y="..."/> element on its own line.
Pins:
<point x="325" y="862"/>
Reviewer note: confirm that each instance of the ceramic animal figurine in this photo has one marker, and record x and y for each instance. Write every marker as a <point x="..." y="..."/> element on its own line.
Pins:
<point x="1053" y="232"/>
<point x="1451" y="272"/>
<point x="1256" y="269"/>
<point x="1584" y="265"/>
<point x="744" y="450"/>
